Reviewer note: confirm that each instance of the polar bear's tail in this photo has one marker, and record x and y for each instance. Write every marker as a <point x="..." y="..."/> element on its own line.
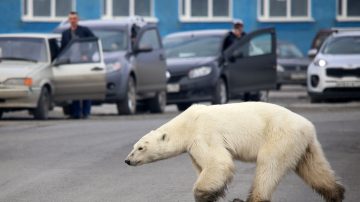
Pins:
<point x="315" y="170"/>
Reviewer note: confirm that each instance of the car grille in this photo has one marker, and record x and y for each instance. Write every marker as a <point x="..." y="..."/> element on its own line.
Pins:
<point x="295" y="67"/>
<point x="175" y="79"/>
<point x="340" y="72"/>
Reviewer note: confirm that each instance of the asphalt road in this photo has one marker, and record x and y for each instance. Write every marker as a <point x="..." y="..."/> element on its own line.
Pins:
<point x="83" y="160"/>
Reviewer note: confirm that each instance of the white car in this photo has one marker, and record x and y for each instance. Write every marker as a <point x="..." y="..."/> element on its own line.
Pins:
<point x="334" y="73"/>
<point x="36" y="76"/>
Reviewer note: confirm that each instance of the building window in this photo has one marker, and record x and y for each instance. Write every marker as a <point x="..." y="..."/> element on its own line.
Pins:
<point x="284" y="10"/>
<point x="126" y="8"/>
<point x="205" y="10"/>
<point x="348" y="10"/>
<point x="46" y="10"/>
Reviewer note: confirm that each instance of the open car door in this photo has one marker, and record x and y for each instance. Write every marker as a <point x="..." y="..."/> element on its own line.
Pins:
<point x="251" y="62"/>
<point x="79" y="71"/>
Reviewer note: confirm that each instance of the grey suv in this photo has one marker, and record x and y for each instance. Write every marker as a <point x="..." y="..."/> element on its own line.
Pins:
<point x="135" y="63"/>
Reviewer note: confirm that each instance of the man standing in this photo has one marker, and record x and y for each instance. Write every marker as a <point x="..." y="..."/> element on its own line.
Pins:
<point x="235" y="34"/>
<point x="78" y="108"/>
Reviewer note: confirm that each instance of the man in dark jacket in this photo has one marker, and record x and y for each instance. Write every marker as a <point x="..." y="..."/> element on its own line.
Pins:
<point x="234" y="35"/>
<point x="78" y="109"/>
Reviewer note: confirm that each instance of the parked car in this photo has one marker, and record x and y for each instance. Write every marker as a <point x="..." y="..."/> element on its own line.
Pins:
<point x="291" y="64"/>
<point x="135" y="62"/>
<point x="198" y="71"/>
<point x="335" y="71"/>
<point x="34" y="76"/>
<point x="322" y="35"/>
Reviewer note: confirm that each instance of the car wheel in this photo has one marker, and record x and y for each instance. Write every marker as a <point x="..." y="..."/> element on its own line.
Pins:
<point x="220" y="94"/>
<point x="183" y="106"/>
<point x="278" y="86"/>
<point x="157" y="104"/>
<point x="128" y="105"/>
<point x="41" y="112"/>
<point x="66" y="109"/>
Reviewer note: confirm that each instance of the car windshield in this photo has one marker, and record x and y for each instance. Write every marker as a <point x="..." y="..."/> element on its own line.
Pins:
<point x="112" y="40"/>
<point x="26" y="49"/>
<point x="343" y="45"/>
<point x="192" y="46"/>
<point x="288" y="50"/>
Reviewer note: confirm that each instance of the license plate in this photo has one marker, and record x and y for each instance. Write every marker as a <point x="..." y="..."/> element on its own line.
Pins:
<point x="173" y="88"/>
<point x="348" y="84"/>
<point x="298" y="76"/>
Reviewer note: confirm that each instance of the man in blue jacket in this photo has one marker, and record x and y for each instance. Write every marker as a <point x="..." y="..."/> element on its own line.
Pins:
<point x="78" y="108"/>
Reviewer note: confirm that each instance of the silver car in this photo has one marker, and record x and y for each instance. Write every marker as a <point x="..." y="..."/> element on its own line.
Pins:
<point x="335" y="72"/>
<point x="35" y="76"/>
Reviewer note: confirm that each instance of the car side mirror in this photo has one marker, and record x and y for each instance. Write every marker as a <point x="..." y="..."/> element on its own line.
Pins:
<point x="61" y="61"/>
<point x="312" y="53"/>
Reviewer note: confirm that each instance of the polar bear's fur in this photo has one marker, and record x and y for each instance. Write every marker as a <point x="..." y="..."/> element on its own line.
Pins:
<point x="277" y="139"/>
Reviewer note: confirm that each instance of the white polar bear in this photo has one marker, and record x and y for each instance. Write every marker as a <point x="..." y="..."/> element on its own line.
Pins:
<point x="277" y="139"/>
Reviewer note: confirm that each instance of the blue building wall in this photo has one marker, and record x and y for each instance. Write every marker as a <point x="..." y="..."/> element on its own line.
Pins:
<point x="167" y="13"/>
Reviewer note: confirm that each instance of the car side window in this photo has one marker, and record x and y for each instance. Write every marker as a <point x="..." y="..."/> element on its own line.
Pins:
<point x="258" y="45"/>
<point x="54" y="48"/>
<point x="81" y="52"/>
<point x="151" y="39"/>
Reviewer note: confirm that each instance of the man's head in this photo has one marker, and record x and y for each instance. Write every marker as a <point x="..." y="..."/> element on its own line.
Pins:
<point x="238" y="27"/>
<point x="73" y="19"/>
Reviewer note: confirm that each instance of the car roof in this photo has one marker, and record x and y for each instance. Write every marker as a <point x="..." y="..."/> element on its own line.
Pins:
<point x="347" y="33"/>
<point x="208" y="32"/>
<point x="113" y="23"/>
<point x="32" y="35"/>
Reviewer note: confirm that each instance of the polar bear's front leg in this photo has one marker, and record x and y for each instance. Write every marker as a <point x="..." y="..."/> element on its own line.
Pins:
<point x="216" y="171"/>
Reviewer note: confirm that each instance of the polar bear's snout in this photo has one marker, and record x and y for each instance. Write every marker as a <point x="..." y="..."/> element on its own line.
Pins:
<point x="127" y="161"/>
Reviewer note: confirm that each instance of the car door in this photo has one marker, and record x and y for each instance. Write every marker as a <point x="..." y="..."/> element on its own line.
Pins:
<point x="251" y="62"/>
<point x="79" y="71"/>
<point x="150" y="60"/>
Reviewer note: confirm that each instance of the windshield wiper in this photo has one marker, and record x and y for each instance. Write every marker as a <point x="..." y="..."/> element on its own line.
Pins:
<point x="16" y="58"/>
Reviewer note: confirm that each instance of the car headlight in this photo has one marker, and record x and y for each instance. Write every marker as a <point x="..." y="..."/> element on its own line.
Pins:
<point x="199" y="72"/>
<point x="114" y="66"/>
<point x="280" y="68"/>
<point x="320" y="63"/>
<point x="19" y="82"/>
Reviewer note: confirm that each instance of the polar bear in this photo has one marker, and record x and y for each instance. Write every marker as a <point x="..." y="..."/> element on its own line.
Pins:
<point x="277" y="139"/>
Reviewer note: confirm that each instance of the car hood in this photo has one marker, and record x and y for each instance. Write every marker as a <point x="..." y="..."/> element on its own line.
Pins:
<point x="177" y="65"/>
<point x="113" y="56"/>
<point x="17" y="69"/>
<point x="341" y="60"/>
<point x="293" y="61"/>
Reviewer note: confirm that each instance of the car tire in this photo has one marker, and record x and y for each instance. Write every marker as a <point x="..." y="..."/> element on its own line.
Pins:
<point x="128" y="105"/>
<point x="183" y="106"/>
<point x="66" y="109"/>
<point x="220" y="95"/>
<point x="41" y="112"/>
<point x="157" y="104"/>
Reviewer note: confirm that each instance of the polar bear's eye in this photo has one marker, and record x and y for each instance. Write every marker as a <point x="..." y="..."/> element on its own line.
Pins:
<point x="140" y="148"/>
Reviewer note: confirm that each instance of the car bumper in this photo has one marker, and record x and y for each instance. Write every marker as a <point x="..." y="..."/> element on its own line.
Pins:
<point x="337" y="93"/>
<point x="291" y="78"/>
<point x="191" y="90"/>
<point x="18" y="97"/>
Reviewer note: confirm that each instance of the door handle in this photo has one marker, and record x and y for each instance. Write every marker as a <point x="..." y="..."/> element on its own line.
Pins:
<point x="162" y="57"/>
<point x="97" y="69"/>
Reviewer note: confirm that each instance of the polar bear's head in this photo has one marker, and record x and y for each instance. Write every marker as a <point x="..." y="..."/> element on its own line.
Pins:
<point x="152" y="147"/>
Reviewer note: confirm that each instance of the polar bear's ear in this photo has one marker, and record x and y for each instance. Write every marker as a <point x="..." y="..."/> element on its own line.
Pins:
<point x="164" y="137"/>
